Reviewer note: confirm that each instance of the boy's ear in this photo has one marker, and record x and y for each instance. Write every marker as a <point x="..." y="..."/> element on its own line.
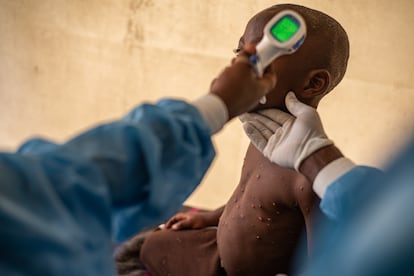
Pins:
<point x="317" y="84"/>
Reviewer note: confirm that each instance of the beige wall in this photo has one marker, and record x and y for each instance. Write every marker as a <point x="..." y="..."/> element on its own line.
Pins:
<point x="66" y="65"/>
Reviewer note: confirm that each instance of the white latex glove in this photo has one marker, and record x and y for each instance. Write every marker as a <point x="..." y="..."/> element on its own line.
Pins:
<point x="285" y="139"/>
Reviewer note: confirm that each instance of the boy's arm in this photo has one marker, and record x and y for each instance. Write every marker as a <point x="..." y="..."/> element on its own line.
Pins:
<point x="308" y="203"/>
<point x="213" y="217"/>
<point x="194" y="219"/>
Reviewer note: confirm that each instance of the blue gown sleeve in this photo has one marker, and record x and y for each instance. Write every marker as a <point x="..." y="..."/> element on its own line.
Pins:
<point x="111" y="180"/>
<point x="373" y="226"/>
<point x="348" y="191"/>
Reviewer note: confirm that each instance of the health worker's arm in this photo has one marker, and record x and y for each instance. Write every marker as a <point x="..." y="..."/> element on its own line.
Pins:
<point x="140" y="169"/>
<point x="338" y="181"/>
<point x="60" y="205"/>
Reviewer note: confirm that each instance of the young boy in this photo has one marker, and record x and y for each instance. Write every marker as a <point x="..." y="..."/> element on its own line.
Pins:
<point x="258" y="230"/>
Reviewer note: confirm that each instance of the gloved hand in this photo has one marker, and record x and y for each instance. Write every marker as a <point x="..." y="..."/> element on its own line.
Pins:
<point x="285" y="139"/>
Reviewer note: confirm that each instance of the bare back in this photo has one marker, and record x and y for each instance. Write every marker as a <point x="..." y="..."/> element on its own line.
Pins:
<point x="264" y="219"/>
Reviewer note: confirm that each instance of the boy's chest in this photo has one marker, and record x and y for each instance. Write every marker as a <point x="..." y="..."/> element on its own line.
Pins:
<point x="261" y="218"/>
<point x="265" y="182"/>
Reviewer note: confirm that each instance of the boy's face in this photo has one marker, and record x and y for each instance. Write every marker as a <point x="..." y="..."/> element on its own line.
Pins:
<point x="289" y="69"/>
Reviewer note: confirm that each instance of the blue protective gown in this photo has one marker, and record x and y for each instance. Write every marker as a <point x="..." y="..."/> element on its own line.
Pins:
<point x="62" y="206"/>
<point x="371" y="232"/>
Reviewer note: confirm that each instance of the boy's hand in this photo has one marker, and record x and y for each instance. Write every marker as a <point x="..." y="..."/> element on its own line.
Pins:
<point x="285" y="139"/>
<point x="187" y="220"/>
<point x="239" y="87"/>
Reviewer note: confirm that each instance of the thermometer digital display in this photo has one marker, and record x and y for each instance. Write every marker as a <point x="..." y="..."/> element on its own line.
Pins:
<point x="282" y="35"/>
<point x="284" y="29"/>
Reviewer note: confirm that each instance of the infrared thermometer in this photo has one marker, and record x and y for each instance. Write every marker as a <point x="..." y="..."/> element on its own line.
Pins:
<point x="282" y="35"/>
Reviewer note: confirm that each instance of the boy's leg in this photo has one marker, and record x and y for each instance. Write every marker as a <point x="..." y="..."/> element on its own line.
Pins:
<point x="127" y="255"/>
<point x="185" y="252"/>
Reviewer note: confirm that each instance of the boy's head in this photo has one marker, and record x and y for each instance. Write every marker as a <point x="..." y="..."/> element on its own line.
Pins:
<point x="315" y="68"/>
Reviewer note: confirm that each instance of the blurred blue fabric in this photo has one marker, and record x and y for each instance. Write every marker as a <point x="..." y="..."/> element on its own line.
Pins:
<point x="62" y="206"/>
<point x="371" y="228"/>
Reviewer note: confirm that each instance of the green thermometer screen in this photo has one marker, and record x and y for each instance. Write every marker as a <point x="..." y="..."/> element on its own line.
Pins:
<point x="284" y="29"/>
